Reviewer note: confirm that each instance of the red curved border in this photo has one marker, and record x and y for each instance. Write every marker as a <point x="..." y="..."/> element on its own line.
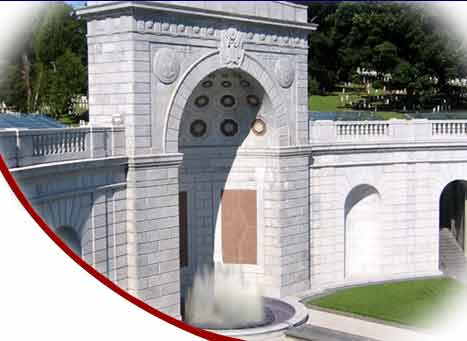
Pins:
<point x="104" y="280"/>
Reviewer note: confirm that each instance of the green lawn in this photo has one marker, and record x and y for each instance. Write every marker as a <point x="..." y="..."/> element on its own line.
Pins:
<point x="332" y="103"/>
<point x="324" y="103"/>
<point x="406" y="302"/>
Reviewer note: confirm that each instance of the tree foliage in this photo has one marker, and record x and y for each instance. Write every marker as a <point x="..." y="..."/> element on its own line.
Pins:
<point x="48" y="73"/>
<point x="388" y="37"/>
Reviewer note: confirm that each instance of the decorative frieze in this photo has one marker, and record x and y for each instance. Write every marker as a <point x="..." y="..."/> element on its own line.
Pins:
<point x="206" y="30"/>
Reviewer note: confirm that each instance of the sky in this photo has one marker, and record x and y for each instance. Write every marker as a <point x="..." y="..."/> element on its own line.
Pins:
<point x="76" y="3"/>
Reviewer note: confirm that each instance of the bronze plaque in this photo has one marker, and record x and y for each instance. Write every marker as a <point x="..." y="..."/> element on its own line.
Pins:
<point x="183" y="223"/>
<point x="239" y="227"/>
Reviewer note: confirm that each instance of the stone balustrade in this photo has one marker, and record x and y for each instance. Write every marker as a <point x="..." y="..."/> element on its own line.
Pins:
<point x="27" y="147"/>
<point x="449" y="128"/>
<point x="391" y="131"/>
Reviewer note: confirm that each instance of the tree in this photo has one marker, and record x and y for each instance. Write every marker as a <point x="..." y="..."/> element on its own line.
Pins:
<point x="389" y="37"/>
<point x="64" y="82"/>
<point x="384" y="57"/>
<point x="49" y="71"/>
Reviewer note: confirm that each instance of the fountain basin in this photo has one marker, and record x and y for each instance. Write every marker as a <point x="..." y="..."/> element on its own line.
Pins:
<point x="278" y="315"/>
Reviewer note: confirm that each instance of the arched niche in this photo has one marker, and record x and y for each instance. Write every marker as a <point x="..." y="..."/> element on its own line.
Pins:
<point x="363" y="233"/>
<point x="452" y="221"/>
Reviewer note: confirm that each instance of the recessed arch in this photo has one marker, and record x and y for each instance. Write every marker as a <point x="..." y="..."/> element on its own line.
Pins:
<point x="363" y="233"/>
<point x="192" y="77"/>
<point x="71" y="238"/>
<point x="452" y="226"/>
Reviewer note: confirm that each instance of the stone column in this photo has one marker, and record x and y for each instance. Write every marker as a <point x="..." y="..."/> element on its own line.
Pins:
<point x="153" y="223"/>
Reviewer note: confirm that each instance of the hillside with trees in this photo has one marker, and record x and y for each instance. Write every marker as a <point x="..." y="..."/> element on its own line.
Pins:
<point x="386" y="46"/>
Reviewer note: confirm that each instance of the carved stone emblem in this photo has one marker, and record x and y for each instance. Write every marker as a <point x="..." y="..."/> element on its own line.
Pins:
<point x="285" y="72"/>
<point x="166" y="65"/>
<point x="231" y="48"/>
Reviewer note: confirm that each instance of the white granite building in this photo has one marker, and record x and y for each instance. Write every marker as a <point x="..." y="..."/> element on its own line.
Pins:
<point x="200" y="151"/>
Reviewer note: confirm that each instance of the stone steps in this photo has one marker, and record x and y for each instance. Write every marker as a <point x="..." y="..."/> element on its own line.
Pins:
<point x="452" y="259"/>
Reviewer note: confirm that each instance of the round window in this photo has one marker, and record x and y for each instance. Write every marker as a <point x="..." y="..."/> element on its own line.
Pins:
<point x="228" y="101"/>
<point x="226" y="84"/>
<point x="198" y="128"/>
<point x="229" y="127"/>
<point x="201" y="101"/>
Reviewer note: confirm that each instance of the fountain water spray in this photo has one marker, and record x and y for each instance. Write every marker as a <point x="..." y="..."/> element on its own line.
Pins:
<point x="222" y="299"/>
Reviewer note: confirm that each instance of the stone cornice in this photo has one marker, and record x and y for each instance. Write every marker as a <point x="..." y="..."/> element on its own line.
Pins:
<point x="55" y="168"/>
<point x="327" y="149"/>
<point x="98" y="10"/>
<point x="278" y="152"/>
<point x="157" y="160"/>
<point x="383" y="163"/>
<point x="75" y="193"/>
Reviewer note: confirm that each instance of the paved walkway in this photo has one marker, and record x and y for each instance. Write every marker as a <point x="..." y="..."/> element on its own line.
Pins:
<point x="366" y="329"/>
<point x="331" y="327"/>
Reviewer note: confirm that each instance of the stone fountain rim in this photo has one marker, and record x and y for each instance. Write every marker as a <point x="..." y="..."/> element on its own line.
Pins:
<point x="300" y="317"/>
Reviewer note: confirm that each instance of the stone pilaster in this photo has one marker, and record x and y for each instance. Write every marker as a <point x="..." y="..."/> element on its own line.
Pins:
<point x="153" y="227"/>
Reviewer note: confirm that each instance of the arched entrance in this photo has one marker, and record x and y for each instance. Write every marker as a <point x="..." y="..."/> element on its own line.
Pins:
<point x="452" y="220"/>
<point x="220" y="189"/>
<point x="363" y="247"/>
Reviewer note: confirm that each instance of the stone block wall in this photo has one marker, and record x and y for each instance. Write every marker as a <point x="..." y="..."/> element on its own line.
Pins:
<point x="90" y="199"/>
<point x="409" y="183"/>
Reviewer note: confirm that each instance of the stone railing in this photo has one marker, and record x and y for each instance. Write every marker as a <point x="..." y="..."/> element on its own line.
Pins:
<point x="26" y="147"/>
<point x="449" y="128"/>
<point x="392" y="131"/>
<point x="355" y="129"/>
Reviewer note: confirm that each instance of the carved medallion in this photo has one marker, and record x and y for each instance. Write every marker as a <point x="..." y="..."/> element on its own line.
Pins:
<point x="245" y="83"/>
<point x="207" y="84"/>
<point x="202" y="101"/>
<point x="166" y="65"/>
<point x="253" y="100"/>
<point x="285" y="72"/>
<point x="198" y="128"/>
<point x="228" y="101"/>
<point x="229" y="128"/>
<point x="258" y="127"/>
<point x="226" y="84"/>
<point x="231" y="48"/>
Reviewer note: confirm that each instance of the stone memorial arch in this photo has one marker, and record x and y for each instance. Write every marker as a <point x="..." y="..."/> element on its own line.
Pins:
<point x="213" y="98"/>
